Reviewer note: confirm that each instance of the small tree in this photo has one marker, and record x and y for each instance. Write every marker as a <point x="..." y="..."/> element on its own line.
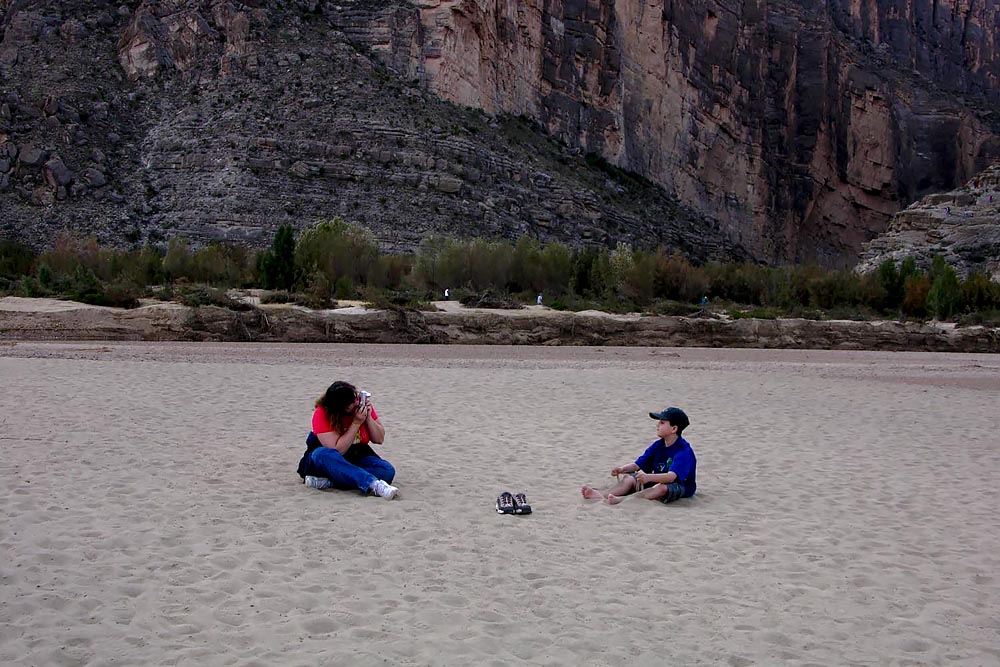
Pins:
<point x="277" y="265"/>
<point x="945" y="295"/>
<point x="892" y="282"/>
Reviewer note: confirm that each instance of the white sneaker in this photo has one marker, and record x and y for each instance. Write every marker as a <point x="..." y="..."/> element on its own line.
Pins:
<point x="383" y="490"/>
<point x="318" y="482"/>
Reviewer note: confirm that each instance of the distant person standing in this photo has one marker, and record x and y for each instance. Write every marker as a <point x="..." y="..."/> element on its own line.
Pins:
<point x="539" y="299"/>
<point x="447" y="293"/>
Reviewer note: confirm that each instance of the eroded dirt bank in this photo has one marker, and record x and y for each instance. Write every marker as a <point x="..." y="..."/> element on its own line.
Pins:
<point x="42" y="319"/>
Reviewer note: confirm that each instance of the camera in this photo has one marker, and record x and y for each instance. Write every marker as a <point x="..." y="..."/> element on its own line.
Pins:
<point x="363" y="396"/>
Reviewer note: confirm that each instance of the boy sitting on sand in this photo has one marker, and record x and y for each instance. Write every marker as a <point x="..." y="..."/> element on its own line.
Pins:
<point x="664" y="472"/>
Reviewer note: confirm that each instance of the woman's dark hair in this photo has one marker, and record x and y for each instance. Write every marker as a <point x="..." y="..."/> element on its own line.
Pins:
<point x="336" y="400"/>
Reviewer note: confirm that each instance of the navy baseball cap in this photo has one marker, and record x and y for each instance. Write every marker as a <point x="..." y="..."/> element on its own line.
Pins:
<point x="675" y="416"/>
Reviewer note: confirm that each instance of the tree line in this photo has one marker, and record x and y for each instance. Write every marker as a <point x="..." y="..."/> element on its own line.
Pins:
<point x="335" y="260"/>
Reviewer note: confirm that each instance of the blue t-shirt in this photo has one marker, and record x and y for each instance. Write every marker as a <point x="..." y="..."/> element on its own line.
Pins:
<point x="678" y="458"/>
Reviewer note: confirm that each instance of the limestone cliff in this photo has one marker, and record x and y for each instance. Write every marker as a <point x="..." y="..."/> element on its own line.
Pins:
<point x="800" y="126"/>
<point x="214" y="119"/>
<point x="779" y="129"/>
<point x="962" y="226"/>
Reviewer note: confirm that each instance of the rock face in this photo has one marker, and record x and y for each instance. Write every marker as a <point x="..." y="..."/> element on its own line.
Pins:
<point x="774" y="129"/>
<point x="219" y="120"/>
<point x="963" y="226"/>
<point x="800" y="126"/>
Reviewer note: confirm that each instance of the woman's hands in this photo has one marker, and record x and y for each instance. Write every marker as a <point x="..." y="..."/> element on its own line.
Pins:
<point x="362" y="412"/>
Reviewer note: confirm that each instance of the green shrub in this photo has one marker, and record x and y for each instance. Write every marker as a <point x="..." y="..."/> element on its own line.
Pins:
<point x="196" y="296"/>
<point x="398" y="299"/>
<point x="279" y="296"/>
<point x="986" y="318"/>
<point x="945" y="294"/>
<point x="319" y="291"/>
<point x="674" y="308"/>
<point x="340" y="251"/>
<point x="753" y="313"/>
<point x="915" y="290"/>
<point x="277" y="265"/>
<point x="16" y="260"/>
<point x="892" y="282"/>
<point x="979" y="293"/>
<point x="676" y="278"/>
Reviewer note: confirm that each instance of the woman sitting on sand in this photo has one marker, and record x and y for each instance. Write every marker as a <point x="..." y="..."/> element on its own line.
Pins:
<point x="337" y="449"/>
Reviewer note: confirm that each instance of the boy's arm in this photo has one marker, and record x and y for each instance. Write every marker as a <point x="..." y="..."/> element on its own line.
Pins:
<point x="661" y="478"/>
<point x="627" y="468"/>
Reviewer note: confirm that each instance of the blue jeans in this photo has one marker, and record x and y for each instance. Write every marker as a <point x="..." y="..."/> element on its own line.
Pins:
<point x="328" y="462"/>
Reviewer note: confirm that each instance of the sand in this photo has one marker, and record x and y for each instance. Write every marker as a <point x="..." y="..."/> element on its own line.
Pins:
<point x="846" y="514"/>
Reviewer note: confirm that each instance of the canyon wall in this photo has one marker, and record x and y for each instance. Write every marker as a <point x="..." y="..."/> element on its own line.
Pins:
<point x="800" y="126"/>
<point x="777" y="130"/>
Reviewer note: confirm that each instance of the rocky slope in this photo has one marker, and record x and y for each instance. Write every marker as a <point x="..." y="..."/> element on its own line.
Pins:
<point x="222" y="120"/>
<point x="963" y="226"/>
<point x="801" y="126"/>
<point x="42" y="319"/>
<point x="790" y="130"/>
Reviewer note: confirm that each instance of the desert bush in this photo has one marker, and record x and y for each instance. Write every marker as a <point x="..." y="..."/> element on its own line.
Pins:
<point x="675" y="278"/>
<point x="487" y="264"/>
<point x="915" y="290"/>
<point x="397" y="299"/>
<point x="391" y="271"/>
<point x="979" y="293"/>
<point x="671" y="307"/>
<point x="640" y="278"/>
<point x="16" y="260"/>
<point x="945" y="294"/>
<point x="277" y="296"/>
<point x="196" y="296"/>
<point x="319" y="292"/>
<point x="338" y="250"/>
<point x="525" y="271"/>
<point x="178" y="262"/>
<point x="753" y="313"/>
<point x="741" y="283"/>
<point x="889" y="277"/>
<point x="986" y="318"/>
<point x="490" y="299"/>
<point x="276" y="265"/>
<point x="581" y="274"/>
<point x="555" y="269"/>
<point x="223" y="265"/>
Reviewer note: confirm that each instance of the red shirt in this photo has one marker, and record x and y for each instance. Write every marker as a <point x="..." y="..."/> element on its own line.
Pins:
<point x="321" y="424"/>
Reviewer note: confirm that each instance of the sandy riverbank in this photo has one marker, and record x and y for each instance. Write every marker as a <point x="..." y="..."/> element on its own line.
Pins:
<point x="846" y="512"/>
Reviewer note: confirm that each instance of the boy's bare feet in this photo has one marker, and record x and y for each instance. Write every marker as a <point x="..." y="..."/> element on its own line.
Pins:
<point x="590" y="494"/>
<point x="614" y="500"/>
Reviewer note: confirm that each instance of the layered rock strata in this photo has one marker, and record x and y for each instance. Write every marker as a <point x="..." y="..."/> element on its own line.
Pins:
<point x="962" y="226"/>
<point x="173" y="322"/>
<point x="218" y="120"/>
<point x="800" y="126"/>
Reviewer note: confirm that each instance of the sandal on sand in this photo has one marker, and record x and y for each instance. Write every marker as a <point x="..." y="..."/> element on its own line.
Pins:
<point x="505" y="503"/>
<point x="521" y="505"/>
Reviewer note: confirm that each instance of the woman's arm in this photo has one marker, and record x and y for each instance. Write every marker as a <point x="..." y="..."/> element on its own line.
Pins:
<point x="341" y="442"/>
<point x="376" y="432"/>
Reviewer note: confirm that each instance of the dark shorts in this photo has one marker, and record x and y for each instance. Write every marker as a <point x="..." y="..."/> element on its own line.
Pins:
<point x="675" y="491"/>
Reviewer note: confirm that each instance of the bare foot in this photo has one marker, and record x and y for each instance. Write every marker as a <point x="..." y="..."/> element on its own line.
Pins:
<point x="590" y="494"/>
<point x="614" y="500"/>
